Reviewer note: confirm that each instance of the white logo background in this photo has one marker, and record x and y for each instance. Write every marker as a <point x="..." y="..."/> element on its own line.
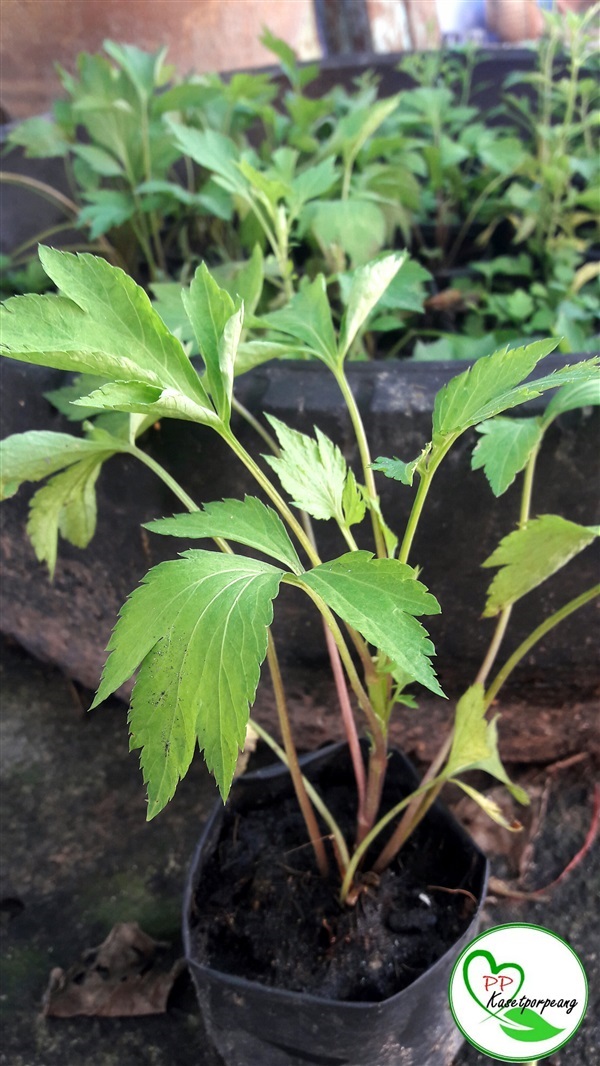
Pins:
<point x="526" y="963"/>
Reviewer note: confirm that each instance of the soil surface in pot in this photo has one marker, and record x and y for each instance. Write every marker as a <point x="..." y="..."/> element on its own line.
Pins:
<point x="263" y="912"/>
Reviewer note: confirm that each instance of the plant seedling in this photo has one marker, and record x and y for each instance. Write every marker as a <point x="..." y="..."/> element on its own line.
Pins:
<point x="196" y="630"/>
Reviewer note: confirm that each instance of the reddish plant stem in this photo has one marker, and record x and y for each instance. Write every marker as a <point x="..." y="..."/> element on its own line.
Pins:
<point x="349" y="726"/>
<point x="375" y="782"/>
<point x="588" y="843"/>
<point x="348" y="719"/>
<point x="415" y="812"/>
<point x="293" y="764"/>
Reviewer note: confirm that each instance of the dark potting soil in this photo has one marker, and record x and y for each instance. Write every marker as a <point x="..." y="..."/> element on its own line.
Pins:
<point x="263" y="912"/>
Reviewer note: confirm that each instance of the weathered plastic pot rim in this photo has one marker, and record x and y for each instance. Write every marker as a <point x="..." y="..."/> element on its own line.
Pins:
<point x="287" y="1000"/>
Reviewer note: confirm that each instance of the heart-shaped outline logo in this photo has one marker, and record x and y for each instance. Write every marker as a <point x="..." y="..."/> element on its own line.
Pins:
<point x="495" y="969"/>
<point x="518" y="1033"/>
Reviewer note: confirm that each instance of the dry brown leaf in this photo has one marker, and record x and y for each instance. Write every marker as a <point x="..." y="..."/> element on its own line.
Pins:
<point x="120" y="978"/>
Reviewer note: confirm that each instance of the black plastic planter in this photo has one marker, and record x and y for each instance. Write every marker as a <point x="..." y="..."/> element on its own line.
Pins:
<point x="250" y="1023"/>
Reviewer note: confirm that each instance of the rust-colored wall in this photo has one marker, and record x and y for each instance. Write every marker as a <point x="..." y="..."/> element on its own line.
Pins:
<point x="202" y="35"/>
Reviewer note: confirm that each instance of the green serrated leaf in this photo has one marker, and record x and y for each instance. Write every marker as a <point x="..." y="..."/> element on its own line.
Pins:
<point x="106" y="209"/>
<point x="299" y="75"/>
<point x="571" y="397"/>
<point x="217" y="326"/>
<point x="406" y="291"/>
<point x="101" y="161"/>
<point x="379" y="598"/>
<point x="470" y="740"/>
<point x="138" y="397"/>
<point x="586" y="371"/>
<point x="145" y="69"/>
<point x="198" y="627"/>
<point x="368" y="284"/>
<point x="262" y="186"/>
<point x="41" y="138"/>
<point x="356" y="226"/>
<point x="36" y="454"/>
<point x="103" y="324"/>
<point x="63" y="398"/>
<point x="245" y="521"/>
<point x="396" y="469"/>
<point x="355" y="128"/>
<point x="492" y="764"/>
<point x="485" y="389"/>
<point x="65" y="505"/>
<point x="353" y="501"/>
<point x="475" y="743"/>
<point x="283" y="51"/>
<point x="214" y="151"/>
<point x="172" y="190"/>
<point x="307" y="319"/>
<point x="505" y="449"/>
<point x="254" y="353"/>
<point x="313" y="182"/>
<point x="247" y="282"/>
<point x="313" y="471"/>
<point x="530" y="555"/>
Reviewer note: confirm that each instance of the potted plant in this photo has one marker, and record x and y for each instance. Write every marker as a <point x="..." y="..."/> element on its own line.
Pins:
<point x="198" y="628"/>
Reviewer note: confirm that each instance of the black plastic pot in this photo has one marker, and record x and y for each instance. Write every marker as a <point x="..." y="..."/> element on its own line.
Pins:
<point x="250" y="1023"/>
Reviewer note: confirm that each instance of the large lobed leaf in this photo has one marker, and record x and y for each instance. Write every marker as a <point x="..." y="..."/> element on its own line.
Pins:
<point x="379" y="598"/>
<point x="460" y="403"/>
<point x="530" y="555"/>
<point x="247" y="521"/>
<point x="198" y="627"/>
<point x="101" y="324"/>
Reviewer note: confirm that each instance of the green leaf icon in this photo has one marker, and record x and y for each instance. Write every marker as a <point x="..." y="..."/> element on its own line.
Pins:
<point x="532" y="1025"/>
